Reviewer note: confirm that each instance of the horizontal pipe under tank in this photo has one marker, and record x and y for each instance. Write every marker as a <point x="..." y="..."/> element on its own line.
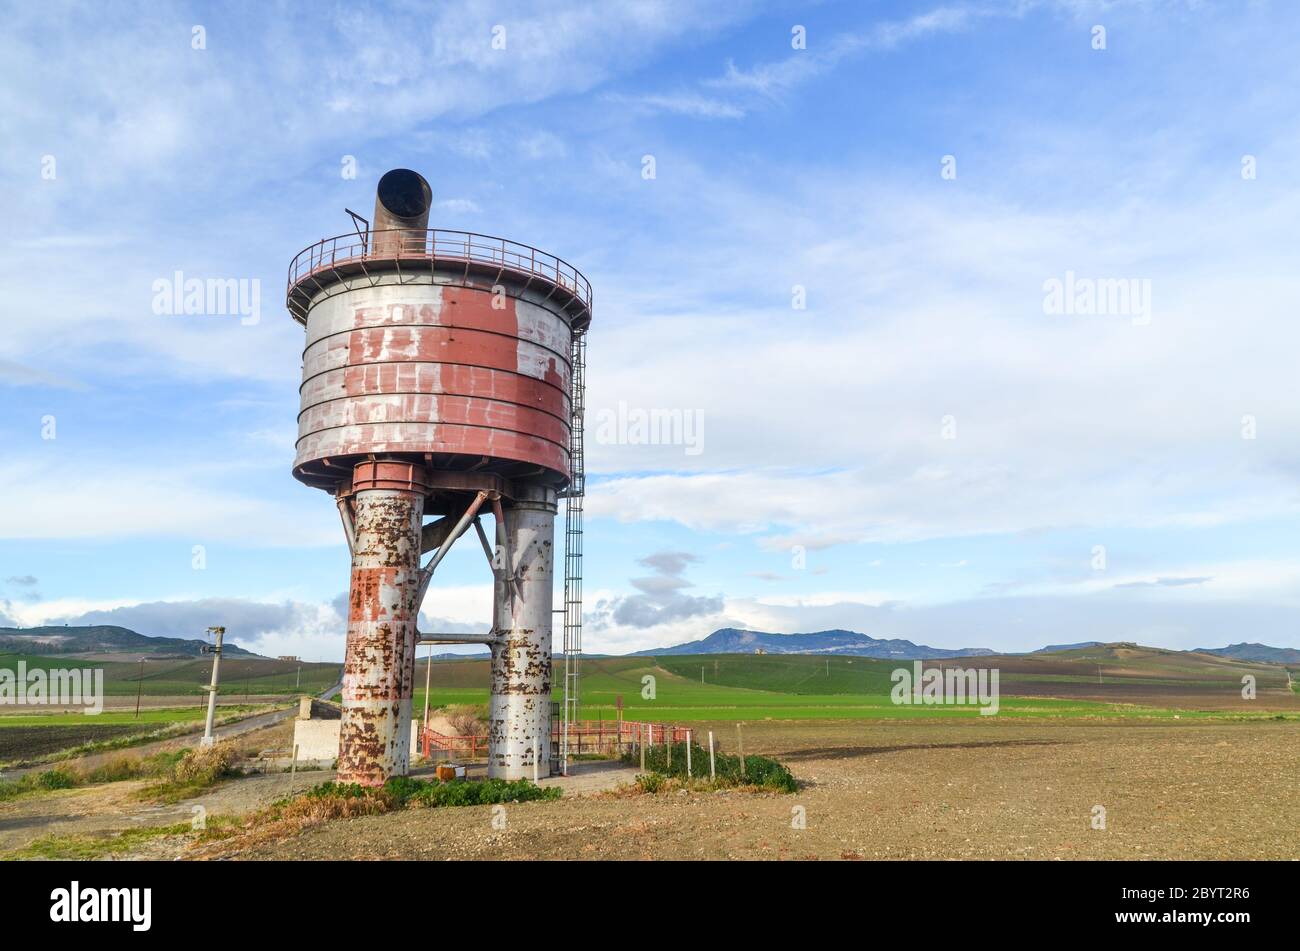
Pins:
<point x="449" y="638"/>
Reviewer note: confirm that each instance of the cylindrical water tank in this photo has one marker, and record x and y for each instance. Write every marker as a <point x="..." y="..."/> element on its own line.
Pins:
<point x="455" y="354"/>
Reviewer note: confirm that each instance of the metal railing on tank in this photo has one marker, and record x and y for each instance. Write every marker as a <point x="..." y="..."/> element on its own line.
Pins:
<point x="413" y="254"/>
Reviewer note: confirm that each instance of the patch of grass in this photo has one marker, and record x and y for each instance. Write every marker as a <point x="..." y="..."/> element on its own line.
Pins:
<point x="192" y="772"/>
<point x="329" y="801"/>
<point x="132" y="767"/>
<point x="163" y="715"/>
<point x="760" y="771"/>
<point x="179" y="677"/>
<point x="114" y="771"/>
<point x="86" y="847"/>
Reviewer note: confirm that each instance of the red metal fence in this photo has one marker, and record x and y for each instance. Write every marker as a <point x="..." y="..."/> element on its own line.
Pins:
<point x="585" y="736"/>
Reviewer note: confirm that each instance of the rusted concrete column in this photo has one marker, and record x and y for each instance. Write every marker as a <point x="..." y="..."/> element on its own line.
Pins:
<point x="519" y="714"/>
<point x="379" y="667"/>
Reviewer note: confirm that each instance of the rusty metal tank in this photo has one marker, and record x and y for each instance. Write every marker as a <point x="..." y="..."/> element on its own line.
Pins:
<point x="446" y="347"/>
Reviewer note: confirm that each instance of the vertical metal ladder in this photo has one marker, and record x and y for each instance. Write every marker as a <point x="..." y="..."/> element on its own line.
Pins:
<point x="573" y="496"/>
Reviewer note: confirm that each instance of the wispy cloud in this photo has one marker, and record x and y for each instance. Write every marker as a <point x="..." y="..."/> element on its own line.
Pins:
<point x="691" y="104"/>
<point x="776" y="79"/>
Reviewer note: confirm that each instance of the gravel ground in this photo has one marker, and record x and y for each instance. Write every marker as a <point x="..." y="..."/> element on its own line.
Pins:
<point x="981" y="788"/>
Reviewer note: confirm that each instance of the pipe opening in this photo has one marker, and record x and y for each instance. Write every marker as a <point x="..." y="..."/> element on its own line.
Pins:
<point x="404" y="193"/>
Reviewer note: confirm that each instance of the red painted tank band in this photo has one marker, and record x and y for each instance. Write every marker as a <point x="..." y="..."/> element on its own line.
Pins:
<point x="435" y="438"/>
<point x="420" y="408"/>
<point x="436" y="379"/>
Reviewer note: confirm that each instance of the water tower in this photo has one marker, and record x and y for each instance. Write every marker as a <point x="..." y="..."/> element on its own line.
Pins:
<point x="442" y="383"/>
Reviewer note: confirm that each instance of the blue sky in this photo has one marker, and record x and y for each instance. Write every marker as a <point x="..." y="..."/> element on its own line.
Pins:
<point x="1098" y="483"/>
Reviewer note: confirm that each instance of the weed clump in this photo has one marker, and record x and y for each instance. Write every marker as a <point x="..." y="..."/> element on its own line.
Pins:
<point x="191" y="772"/>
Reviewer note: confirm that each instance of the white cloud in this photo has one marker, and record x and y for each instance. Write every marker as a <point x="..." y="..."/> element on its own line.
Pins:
<point x="823" y="426"/>
<point x="312" y="630"/>
<point x="125" y="501"/>
<point x="458" y="206"/>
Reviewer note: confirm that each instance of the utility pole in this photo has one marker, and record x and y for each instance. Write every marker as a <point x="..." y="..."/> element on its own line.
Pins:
<point x="297" y="683"/>
<point x="139" y="685"/>
<point x="215" y="651"/>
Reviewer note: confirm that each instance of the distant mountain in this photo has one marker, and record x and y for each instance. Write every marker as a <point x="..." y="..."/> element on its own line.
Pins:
<point x="729" y="640"/>
<point x="1051" y="648"/>
<point x="101" y="639"/>
<point x="1255" y="652"/>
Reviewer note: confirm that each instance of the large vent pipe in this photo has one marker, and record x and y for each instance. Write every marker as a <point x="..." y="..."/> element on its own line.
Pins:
<point x="401" y="217"/>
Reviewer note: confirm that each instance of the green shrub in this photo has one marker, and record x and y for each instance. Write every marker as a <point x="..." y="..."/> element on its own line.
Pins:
<point x="32" y="783"/>
<point x="759" y="770"/>
<point x="460" y="792"/>
<point x="651" y="782"/>
<point x="405" y="790"/>
<point x="56" y="779"/>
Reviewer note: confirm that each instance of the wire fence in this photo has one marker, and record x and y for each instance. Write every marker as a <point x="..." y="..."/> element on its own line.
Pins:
<point x="584" y="736"/>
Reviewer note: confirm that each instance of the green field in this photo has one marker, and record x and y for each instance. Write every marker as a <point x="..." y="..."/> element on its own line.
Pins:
<point x="801" y="687"/>
<point x="157" y="716"/>
<point x="189" y="676"/>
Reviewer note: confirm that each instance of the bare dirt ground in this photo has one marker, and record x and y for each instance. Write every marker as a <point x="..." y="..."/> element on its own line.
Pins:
<point x="983" y="789"/>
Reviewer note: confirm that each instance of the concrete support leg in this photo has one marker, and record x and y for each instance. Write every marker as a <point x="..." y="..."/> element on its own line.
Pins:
<point x="519" y="715"/>
<point x="379" y="667"/>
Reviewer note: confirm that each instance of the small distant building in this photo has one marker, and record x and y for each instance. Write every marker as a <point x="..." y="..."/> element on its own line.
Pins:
<point x="288" y="657"/>
<point x="760" y="650"/>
